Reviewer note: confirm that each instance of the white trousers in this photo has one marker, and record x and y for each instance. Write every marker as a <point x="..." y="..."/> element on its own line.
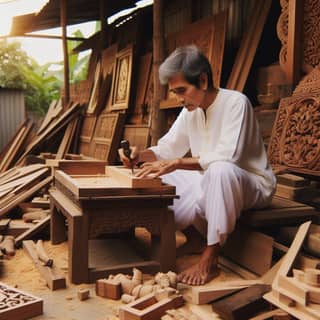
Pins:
<point x="218" y="195"/>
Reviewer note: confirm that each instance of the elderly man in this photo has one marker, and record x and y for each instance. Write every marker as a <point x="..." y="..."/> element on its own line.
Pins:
<point x="227" y="171"/>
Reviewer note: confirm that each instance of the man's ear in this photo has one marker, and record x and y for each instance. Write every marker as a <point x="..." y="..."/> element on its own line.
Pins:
<point x="203" y="83"/>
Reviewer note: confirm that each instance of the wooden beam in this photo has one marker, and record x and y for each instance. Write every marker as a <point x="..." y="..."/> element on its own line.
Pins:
<point x="158" y="117"/>
<point x="63" y="20"/>
<point x="295" y="44"/>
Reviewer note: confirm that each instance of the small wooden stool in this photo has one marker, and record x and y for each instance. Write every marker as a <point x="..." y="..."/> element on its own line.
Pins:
<point x="110" y="212"/>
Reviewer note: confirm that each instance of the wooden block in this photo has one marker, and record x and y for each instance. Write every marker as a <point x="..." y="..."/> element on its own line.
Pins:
<point x="83" y="294"/>
<point x="206" y="293"/>
<point x="18" y="305"/>
<point x="148" y="308"/>
<point x="292" y="289"/>
<point x="108" y="288"/>
<point x="292" y="180"/>
<point x="243" y="304"/>
<point x="125" y="176"/>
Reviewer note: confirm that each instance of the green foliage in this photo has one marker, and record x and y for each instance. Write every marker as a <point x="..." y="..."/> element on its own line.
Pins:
<point x="19" y="71"/>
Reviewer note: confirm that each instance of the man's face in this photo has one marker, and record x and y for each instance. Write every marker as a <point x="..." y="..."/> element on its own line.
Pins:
<point x="188" y="95"/>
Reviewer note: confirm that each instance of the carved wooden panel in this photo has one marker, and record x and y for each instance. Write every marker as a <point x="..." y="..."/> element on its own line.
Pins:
<point x="18" y="305"/>
<point x="121" y="83"/>
<point x="311" y="33"/>
<point x="208" y="34"/>
<point x="86" y="135"/>
<point x="295" y="138"/>
<point x="107" y="135"/>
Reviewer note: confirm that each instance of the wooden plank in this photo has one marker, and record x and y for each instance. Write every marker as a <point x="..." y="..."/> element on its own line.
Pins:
<point x="249" y="44"/>
<point x="28" y="234"/>
<point x="25" y="195"/>
<point x="78" y="167"/>
<point x="124" y="175"/>
<point x="292" y="180"/>
<point x="243" y="304"/>
<point x="209" y="293"/>
<point x="18" y="305"/>
<point x="52" y="275"/>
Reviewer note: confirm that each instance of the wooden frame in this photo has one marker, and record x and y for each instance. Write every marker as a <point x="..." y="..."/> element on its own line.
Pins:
<point x="121" y="83"/>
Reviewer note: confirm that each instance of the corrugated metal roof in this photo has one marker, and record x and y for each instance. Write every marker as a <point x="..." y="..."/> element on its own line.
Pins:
<point x="78" y="11"/>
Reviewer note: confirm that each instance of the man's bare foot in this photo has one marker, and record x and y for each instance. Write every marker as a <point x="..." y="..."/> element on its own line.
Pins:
<point x="205" y="270"/>
<point x="195" y="243"/>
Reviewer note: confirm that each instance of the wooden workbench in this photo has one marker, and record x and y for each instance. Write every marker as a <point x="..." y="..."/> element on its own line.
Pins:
<point x="97" y="204"/>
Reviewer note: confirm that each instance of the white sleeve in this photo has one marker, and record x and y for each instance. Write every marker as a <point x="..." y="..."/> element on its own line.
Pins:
<point x="175" y="143"/>
<point x="231" y="143"/>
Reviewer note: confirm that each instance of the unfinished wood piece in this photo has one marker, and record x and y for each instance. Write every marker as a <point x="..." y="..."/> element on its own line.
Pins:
<point x="301" y="194"/>
<point x="244" y="304"/>
<point x="209" y="293"/>
<point x="53" y="276"/>
<point x="18" y="305"/>
<point x="108" y="288"/>
<point x="250" y="249"/>
<point x="121" y="84"/>
<point x="55" y="108"/>
<point x="82" y="167"/>
<point x="276" y="314"/>
<point x="106" y="138"/>
<point x="83" y="294"/>
<point x="67" y="139"/>
<point x="292" y="180"/>
<point x="312" y="277"/>
<point x="125" y="177"/>
<point x="248" y="47"/>
<point x="148" y="308"/>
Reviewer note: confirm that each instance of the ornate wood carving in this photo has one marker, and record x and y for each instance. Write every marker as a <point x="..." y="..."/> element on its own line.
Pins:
<point x="311" y="33"/>
<point x="122" y="80"/>
<point x="18" y="305"/>
<point x="295" y="138"/>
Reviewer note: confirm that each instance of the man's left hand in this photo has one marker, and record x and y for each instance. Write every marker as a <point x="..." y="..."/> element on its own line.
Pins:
<point x="158" y="168"/>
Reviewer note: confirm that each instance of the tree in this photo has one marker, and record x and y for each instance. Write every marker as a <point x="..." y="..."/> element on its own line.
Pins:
<point x="19" y="71"/>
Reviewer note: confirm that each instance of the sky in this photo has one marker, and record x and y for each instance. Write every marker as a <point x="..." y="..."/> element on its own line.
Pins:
<point x="42" y="50"/>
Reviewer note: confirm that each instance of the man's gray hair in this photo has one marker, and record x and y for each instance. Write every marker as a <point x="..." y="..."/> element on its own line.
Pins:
<point x="188" y="61"/>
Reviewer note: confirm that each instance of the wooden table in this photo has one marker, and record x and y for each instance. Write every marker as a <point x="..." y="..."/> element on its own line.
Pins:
<point x="95" y="205"/>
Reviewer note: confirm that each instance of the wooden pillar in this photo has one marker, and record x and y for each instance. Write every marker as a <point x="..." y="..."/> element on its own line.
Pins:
<point x="295" y="45"/>
<point x="63" y="21"/>
<point x="157" y="115"/>
<point x="104" y="24"/>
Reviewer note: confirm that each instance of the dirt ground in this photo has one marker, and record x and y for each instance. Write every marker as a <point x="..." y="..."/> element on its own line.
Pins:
<point x="63" y="304"/>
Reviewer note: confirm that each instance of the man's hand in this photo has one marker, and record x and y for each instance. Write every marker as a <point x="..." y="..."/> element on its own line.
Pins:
<point x="158" y="168"/>
<point x="133" y="160"/>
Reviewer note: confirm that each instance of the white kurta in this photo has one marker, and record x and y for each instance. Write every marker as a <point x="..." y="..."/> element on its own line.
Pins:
<point x="236" y="174"/>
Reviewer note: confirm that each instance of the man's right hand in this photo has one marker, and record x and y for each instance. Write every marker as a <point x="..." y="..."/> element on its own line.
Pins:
<point x="133" y="160"/>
